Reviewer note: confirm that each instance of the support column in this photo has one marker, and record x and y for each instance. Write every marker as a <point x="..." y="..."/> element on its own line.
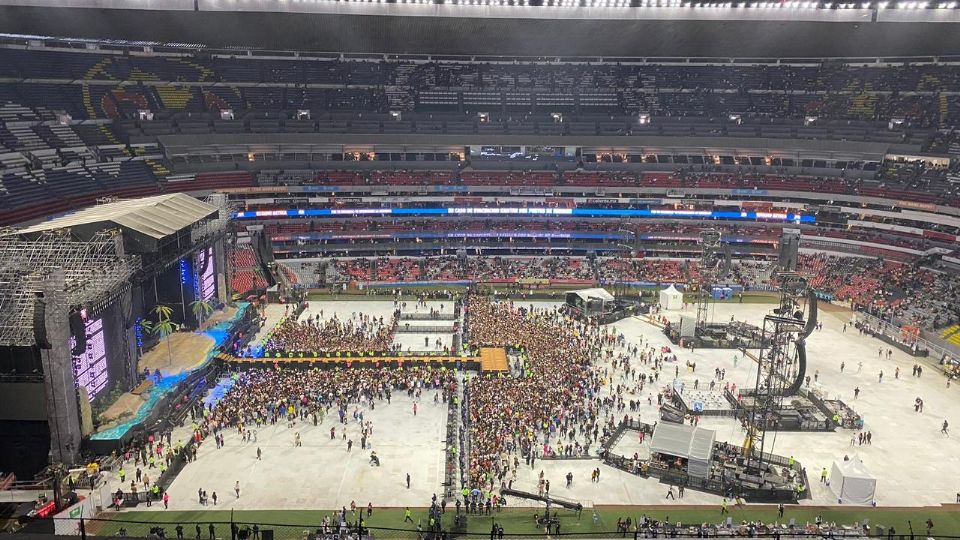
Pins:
<point x="63" y="412"/>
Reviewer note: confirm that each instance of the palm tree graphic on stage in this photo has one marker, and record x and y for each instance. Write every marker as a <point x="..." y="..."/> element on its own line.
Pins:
<point x="201" y="309"/>
<point x="162" y="328"/>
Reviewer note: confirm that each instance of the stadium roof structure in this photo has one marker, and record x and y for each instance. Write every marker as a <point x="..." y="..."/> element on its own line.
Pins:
<point x="757" y="30"/>
<point x="150" y="219"/>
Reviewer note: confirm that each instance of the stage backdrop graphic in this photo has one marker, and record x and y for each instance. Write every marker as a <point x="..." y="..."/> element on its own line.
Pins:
<point x="206" y="283"/>
<point x="90" y="367"/>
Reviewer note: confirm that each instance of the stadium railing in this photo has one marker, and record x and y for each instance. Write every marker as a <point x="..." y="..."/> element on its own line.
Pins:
<point x="306" y="530"/>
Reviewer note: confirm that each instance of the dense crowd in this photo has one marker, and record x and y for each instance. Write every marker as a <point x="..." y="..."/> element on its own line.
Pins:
<point x="580" y="396"/>
<point x="261" y="397"/>
<point x="360" y="332"/>
<point x="557" y="370"/>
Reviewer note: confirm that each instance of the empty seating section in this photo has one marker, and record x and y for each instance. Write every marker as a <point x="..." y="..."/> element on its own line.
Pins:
<point x="208" y="181"/>
<point x="31" y="194"/>
<point x="245" y="273"/>
<point x="935" y="192"/>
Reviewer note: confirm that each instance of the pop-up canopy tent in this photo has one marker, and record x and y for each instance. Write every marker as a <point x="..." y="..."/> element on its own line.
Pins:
<point x="671" y="298"/>
<point x="852" y="483"/>
<point x="590" y="302"/>
<point x="692" y="443"/>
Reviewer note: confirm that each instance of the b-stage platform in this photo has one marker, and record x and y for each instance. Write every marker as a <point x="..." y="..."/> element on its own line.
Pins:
<point x="490" y="360"/>
<point x="732" y="335"/>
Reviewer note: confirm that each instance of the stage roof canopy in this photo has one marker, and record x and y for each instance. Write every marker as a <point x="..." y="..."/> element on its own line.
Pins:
<point x="155" y="217"/>
<point x="146" y="223"/>
<point x="593" y="294"/>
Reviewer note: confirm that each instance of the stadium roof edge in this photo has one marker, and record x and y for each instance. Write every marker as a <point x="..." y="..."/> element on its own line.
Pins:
<point x="435" y="35"/>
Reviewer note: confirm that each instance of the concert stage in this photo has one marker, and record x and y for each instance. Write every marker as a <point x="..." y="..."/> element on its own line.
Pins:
<point x="152" y="400"/>
<point x="128" y="282"/>
<point x="732" y="335"/>
<point x="599" y="306"/>
<point x="491" y="360"/>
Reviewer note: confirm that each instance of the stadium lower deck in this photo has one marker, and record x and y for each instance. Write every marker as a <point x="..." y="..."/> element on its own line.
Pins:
<point x="908" y="454"/>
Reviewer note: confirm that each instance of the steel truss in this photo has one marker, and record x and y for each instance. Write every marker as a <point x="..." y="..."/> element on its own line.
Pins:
<point x="212" y="228"/>
<point x="94" y="273"/>
<point x="714" y="264"/>
<point x="782" y="363"/>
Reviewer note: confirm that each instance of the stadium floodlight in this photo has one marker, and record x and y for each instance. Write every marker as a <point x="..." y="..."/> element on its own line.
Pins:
<point x="735" y="118"/>
<point x="809" y="120"/>
<point x="644" y="119"/>
<point x="882" y="5"/>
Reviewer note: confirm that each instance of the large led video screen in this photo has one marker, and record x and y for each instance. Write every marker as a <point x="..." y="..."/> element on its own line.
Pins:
<point x="90" y="367"/>
<point x="206" y="284"/>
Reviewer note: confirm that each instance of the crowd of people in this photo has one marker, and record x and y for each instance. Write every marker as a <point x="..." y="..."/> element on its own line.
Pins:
<point x="360" y="333"/>
<point x="587" y="379"/>
<point x="453" y="268"/>
<point x="262" y="397"/>
<point x="903" y="294"/>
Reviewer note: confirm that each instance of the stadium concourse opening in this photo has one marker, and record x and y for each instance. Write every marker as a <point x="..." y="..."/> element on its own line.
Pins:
<point x="299" y="294"/>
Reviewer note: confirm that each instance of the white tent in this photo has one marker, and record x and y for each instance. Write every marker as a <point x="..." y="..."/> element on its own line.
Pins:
<point x="593" y="294"/>
<point x="852" y="483"/>
<point x="671" y="298"/>
<point x="680" y="440"/>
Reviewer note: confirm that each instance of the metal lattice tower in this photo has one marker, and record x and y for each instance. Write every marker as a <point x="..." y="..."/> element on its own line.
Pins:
<point x="213" y="227"/>
<point x="94" y="272"/>
<point x="711" y="262"/>
<point x="782" y="363"/>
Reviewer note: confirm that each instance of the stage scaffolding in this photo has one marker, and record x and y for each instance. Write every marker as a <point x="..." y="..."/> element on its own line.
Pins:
<point x="714" y="265"/>
<point x="94" y="272"/>
<point x="212" y="228"/>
